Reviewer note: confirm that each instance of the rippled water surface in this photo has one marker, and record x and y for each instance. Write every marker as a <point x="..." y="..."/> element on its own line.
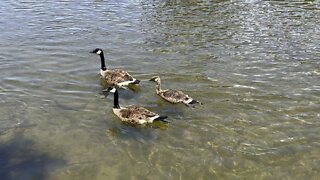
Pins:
<point x="254" y="64"/>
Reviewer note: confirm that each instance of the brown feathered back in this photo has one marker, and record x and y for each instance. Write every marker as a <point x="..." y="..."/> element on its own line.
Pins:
<point x="135" y="115"/>
<point x="173" y="96"/>
<point x="116" y="76"/>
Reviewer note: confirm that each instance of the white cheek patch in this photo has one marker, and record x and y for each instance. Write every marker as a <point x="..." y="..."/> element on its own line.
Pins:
<point x="99" y="52"/>
<point x="113" y="90"/>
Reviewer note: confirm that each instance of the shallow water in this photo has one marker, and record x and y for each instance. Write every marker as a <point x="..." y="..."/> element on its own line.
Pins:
<point x="254" y="64"/>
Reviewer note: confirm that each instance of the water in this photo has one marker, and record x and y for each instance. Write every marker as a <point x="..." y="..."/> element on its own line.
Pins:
<point x="254" y="64"/>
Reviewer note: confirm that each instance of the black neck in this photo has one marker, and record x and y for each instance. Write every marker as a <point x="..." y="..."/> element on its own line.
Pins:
<point x="116" y="100"/>
<point x="103" y="64"/>
<point x="158" y="86"/>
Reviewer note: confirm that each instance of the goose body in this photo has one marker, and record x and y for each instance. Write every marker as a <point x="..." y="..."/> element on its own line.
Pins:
<point x="134" y="114"/>
<point x="114" y="77"/>
<point x="172" y="95"/>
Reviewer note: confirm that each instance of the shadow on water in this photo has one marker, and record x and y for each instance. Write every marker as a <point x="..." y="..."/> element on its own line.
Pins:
<point x="126" y="132"/>
<point x="18" y="160"/>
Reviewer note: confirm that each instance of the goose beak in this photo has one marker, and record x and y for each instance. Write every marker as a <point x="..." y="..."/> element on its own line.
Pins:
<point x="92" y="51"/>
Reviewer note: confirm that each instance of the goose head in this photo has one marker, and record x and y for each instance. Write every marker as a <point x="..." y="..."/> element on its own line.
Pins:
<point x="155" y="79"/>
<point x="97" y="51"/>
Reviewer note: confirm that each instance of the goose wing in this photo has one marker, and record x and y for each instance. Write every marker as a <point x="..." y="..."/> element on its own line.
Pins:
<point x="136" y="115"/>
<point x="116" y="76"/>
<point x="173" y="96"/>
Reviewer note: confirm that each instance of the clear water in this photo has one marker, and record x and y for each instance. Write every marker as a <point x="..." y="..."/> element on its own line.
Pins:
<point x="254" y="64"/>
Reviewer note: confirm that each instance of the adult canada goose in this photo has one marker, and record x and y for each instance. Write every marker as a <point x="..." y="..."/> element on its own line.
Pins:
<point x="133" y="114"/>
<point x="114" y="77"/>
<point x="172" y="95"/>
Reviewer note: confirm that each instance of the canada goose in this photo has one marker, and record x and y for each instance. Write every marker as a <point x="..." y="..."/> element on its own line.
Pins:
<point x="114" y="77"/>
<point x="172" y="95"/>
<point x="133" y="114"/>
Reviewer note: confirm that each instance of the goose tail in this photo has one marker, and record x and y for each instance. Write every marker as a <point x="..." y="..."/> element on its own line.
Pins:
<point x="195" y="102"/>
<point x="192" y="102"/>
<point x="136" y="81"/>
<point x="161" y="118"/>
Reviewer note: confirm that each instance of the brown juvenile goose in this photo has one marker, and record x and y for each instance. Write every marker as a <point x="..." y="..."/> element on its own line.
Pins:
<point x="114" y="77"/>
<point x="172" y="95"/>
<point x="133" y="114"/>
